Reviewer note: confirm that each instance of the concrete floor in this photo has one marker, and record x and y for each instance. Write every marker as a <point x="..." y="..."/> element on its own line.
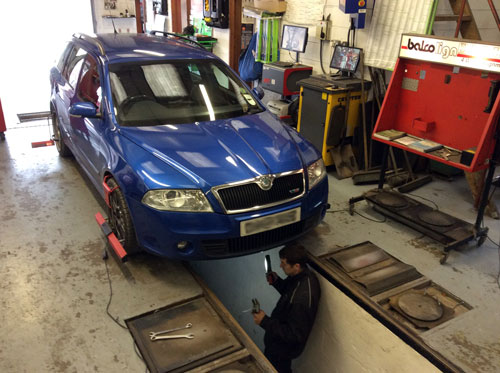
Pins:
<point x="471" y="340"/>
<point x="55" y="288"/>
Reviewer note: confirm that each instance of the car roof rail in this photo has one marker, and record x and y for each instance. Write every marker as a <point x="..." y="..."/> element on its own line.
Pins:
<point x="91" y="40"/>
<point x="176" y="36"/>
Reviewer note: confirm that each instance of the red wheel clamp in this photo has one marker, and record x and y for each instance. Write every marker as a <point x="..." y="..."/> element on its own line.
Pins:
<point x="113" y="241"/>
<point x="40" y="144"/>
<point x="107" y="190"/>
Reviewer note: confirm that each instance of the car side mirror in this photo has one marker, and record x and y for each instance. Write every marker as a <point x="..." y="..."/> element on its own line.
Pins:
<point x="259" y="92"/>
<point x="55" y="75"/>
<point x="84" y="109"/>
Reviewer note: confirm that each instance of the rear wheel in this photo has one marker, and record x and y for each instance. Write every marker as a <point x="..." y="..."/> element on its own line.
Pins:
<point x="120" y="219"/>
<point x="62" y="148"/>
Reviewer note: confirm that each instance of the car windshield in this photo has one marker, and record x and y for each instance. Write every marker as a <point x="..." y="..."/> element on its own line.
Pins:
<point x="176" y="92"/>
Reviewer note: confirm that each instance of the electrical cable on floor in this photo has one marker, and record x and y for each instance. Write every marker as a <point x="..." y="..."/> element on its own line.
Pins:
<point x="498" y="275"/>
<point x="373" y="220"/>
<point x="138" y="353"/>
<point x="333" y="211"/>
<point x="348" y="210"/>
<point x="498" y="249"/>
<point x="110" y="298"/>
<point x="427" y="199"/>
<point x="105" y="258"/>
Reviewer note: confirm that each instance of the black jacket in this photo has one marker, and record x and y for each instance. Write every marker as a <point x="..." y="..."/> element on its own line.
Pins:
<point x="292" y="319"/>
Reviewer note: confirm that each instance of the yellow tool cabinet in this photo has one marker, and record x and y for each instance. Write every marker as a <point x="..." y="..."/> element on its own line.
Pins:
<point x="322" y="114"/>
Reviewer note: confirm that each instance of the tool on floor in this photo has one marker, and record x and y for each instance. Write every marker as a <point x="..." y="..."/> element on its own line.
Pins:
<point x="36" y="116"/>
<point x="154" y="334"/>
<point x="188" y="336"/>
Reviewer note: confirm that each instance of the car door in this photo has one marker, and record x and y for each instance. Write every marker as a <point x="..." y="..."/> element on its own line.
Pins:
<point x="65" y="90"/>
<point x="89" y="132"/>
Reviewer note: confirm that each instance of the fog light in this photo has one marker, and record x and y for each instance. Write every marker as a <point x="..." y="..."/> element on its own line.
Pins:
<point x="182" y="245"/>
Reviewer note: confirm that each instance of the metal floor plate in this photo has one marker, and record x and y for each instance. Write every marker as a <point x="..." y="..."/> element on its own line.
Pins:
<point x="360" y="256"/>
<point x="212" y="338"/>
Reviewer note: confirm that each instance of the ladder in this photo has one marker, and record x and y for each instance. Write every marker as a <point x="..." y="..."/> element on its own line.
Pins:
<point x="462" y="14"/>
<point x="467" y="27"/>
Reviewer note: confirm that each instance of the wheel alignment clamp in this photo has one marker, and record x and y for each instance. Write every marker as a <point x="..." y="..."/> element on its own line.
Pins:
<point x="113" y="241"/>
<point x="107" y="190"/>
<point x="39" y="144"/>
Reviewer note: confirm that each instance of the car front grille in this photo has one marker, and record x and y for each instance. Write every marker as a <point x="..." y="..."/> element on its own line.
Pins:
<point x="247" y="196"/>
<point x="258" y="241"/>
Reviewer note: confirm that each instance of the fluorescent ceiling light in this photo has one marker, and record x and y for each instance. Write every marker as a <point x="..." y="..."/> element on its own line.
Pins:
<point x="207" y="102"/>
<point x="151" y="53"/>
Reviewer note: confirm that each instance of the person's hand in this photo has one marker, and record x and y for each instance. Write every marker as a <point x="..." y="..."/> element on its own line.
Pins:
<point x="258" y="316"/>
<point x="271" y="277"/>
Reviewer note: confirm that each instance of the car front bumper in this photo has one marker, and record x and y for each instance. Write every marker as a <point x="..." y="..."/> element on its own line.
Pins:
<point x="217" y="235"/>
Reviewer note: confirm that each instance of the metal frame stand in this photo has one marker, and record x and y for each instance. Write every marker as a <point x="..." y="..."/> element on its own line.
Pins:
<point x="477" y="231"/>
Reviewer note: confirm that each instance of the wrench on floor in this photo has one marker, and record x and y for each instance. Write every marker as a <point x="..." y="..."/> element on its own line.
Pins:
<point x="157" y="337"/>
<point x="154" y="334"/>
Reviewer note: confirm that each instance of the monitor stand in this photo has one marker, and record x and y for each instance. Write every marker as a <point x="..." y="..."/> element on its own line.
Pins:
<point x="342" y="76"/>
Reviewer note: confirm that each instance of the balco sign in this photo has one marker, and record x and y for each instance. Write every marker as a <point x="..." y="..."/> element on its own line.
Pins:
<point x="444" y="50"/>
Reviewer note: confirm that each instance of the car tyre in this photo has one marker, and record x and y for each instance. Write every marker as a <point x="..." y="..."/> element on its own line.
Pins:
<point x="120" y="219"/>
<point x="62" y="148"/>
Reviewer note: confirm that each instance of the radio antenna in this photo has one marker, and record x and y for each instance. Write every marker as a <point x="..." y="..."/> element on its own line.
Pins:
<point x="112" y="21"/>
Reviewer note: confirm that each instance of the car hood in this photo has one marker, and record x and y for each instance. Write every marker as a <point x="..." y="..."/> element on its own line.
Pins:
<point x="222" y="151"/>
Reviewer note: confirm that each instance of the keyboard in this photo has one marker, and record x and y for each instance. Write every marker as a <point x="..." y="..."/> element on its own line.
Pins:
<point x="283" y="64"/>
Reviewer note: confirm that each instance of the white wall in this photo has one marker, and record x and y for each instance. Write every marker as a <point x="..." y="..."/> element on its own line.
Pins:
<point x="104" y="25"/>
<point x="309" y="15"/>
<point x="482" y="15"/>
<point x="32" y="36"/>
<point x="345" y="338"/>
<point x="221" y="48"/>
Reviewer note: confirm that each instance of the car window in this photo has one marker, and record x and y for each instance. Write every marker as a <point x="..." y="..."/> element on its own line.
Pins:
<point x="177" y="92"/>
<point x="222" y="79"/>
<point x="89" y="87"/>
<point x="60" y="63"/>
<point x="73" y="65"/>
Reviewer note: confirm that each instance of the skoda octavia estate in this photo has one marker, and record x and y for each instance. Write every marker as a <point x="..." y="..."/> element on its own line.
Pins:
<point x="188" y="160"/>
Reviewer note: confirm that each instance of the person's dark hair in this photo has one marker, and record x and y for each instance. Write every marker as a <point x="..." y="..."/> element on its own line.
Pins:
<point x="294" y="253"/>
<point x="189" y="30"/>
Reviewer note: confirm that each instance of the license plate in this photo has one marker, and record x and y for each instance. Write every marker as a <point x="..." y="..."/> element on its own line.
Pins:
<point x="266" y="223"/>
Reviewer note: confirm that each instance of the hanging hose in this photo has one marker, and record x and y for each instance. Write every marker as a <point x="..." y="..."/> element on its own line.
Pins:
<point x="363" y="111"/>
<point x="321" y="56"/>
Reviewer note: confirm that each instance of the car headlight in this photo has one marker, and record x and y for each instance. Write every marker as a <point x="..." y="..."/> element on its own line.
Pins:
<point x="316" y="172"/>
<point x="188" y="200"/>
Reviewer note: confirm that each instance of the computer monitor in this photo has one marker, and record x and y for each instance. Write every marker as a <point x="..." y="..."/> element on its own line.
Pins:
<point x="294" y="38"/>
<point x="345" y="59"/>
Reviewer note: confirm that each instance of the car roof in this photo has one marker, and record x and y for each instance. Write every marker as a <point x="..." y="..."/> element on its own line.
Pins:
<point x="140" y="47"/>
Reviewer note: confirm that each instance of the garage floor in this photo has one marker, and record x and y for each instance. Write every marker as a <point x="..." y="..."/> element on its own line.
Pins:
<point x="55" y="285"/>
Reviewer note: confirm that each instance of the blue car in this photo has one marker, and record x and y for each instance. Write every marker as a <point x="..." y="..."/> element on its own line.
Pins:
<point x="188" y="160"/>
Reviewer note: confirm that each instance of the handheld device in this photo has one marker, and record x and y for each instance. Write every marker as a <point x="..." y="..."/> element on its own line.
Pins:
<point x="267" y="264"/>
<point x="255" y="305"/>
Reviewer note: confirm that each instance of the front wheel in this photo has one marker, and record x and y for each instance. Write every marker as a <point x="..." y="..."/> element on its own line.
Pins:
<point x="120" y="219"/>
<point x="62" y="148"/>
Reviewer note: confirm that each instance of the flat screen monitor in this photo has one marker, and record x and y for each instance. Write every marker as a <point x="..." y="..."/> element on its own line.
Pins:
<point x="294" y="38"/>
<point x="345" y="59"/>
